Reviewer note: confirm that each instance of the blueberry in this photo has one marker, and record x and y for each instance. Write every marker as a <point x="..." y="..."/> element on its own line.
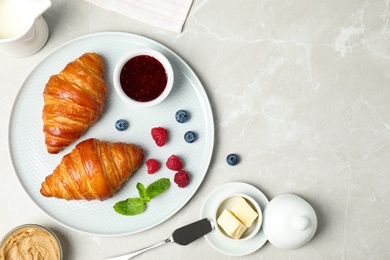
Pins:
<point x="182" y="116"/>
<point x="121" y="124"/>
<point x="232" y="159"/>
<point x="190" y="137"/>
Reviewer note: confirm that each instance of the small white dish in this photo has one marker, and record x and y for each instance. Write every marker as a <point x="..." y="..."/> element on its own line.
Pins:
<point x="220" y="242"/>
<point x="157" y="97"/>
<point x="227" y="202"/>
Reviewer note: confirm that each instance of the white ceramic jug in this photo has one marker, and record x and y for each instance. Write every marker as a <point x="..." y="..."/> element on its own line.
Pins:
<point x="23" y="30"/>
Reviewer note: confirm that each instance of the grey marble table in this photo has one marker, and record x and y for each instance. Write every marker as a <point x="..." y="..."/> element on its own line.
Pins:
<point x="299" y="89"/>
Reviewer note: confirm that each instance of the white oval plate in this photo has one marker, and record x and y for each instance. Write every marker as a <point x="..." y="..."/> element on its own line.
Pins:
<point x="32" y="163"/>
<point x="222" y="243"/>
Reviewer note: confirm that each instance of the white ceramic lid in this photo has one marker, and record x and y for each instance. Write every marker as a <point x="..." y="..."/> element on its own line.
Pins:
<point x="289" y="222"/>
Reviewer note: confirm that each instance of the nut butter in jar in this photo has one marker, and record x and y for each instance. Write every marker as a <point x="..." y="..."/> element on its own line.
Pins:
<point x="30" y="241"/>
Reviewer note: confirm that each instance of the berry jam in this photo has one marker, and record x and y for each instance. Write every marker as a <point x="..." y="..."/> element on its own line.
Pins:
<point x="143" y="78"/>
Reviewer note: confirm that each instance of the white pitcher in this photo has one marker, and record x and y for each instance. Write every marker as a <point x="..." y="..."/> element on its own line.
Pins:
<point x="23" y="30"/>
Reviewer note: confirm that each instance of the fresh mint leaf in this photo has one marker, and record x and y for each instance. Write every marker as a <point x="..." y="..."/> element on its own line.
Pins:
<point x="157" y="187"/>
<point x="142" y="192"/>
<point x="135" y="206"/>
<point x="130" y="207"/>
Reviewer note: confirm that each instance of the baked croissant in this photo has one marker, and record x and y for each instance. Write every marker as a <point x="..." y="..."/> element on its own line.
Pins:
<point x="92" y="170"/>
<point x="73" y="101"/>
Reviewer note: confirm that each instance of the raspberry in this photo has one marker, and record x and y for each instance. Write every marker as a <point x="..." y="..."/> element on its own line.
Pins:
<point x="181" y="178"/>
<point x="152" y="165"/>
<point x="174" y="163"/>
<point x="159" y="135"/>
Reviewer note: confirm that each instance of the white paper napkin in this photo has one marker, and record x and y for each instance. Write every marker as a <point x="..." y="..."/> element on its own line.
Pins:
<point x="166" y="14"/>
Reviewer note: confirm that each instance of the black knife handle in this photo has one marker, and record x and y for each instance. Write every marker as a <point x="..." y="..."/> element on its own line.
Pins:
<point x="191" y="232"/>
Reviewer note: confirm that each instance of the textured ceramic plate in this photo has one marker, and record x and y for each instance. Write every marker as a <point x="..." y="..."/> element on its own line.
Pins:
<point x="219" y="241"/>
<point x="32" y="162"/>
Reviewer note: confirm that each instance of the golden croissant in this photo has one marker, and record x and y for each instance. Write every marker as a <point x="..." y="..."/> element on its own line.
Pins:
<point x="92" y="170"/>
<point x="73" y="101"/>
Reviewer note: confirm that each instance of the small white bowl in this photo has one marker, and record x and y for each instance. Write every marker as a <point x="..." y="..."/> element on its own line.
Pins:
<point x="227" y="202"/>
<point x="139" y="52"/>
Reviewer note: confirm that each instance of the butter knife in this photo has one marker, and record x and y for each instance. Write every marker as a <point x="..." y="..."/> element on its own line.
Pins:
<point x="182" y="236"/>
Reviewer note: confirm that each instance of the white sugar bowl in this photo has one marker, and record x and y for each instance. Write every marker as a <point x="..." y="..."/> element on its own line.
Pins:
<point x="289" y="222"/>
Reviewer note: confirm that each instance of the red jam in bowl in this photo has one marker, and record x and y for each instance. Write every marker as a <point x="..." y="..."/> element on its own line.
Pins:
<point x="143" y="78"/>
